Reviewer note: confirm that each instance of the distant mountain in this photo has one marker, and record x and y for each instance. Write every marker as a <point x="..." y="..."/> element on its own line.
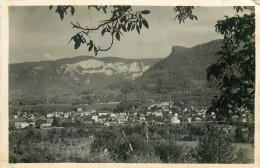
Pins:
<point x="72" y="74"/>
<point x="181" y="76"/>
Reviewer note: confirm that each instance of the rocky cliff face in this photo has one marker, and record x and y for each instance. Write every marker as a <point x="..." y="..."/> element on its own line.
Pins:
<point x="78" y="72"/>
<point x="129" y="70"/>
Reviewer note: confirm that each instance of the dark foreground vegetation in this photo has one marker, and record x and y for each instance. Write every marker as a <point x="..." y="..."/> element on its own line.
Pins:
<point x="183" y="143"/>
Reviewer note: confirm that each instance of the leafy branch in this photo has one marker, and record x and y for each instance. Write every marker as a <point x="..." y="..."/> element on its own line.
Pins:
<point x="123" y="19"/>
<point x="184" y="12"/>
<point x="235" y="68"/>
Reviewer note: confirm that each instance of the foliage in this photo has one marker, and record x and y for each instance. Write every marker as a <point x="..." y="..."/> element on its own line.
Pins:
<point x="122" y="19"/>
<point x="184" y="13"/>
<point x="215" y="146"/>
<point x="235" y="68"/>
<point x="170" y="152"/>
<point x="111" y="145"/>
<point x="239" y="135"/>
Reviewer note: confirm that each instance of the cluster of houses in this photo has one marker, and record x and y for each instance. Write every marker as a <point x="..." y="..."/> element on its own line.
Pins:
<point x="178" y="115"/>
<point x="155" y="113"/>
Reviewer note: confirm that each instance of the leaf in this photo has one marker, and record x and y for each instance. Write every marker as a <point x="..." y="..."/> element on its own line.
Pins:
<point x="140" y="24"/>
<point x="145" y="12"/>
<point x="90" y="47"/>
<point x="137" y="28"/>
<point x="124" y="28"/>
<point x="118" y="36"/>
<point x="61" y="15"/>
<point x="145" y="23"/>
<point x="83" y="40"/>
<point x="104" y="9"/>
<point x="77" y="42"/>
<point x="103" y="32"/>
<point x="133" y="27"/>
<point x="72" y="9"/>
<point x="129" y="26"/>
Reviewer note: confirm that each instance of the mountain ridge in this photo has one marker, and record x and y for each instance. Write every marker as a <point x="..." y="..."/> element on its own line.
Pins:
<point x="75" y="74"/>
<point x="181" y="76"/>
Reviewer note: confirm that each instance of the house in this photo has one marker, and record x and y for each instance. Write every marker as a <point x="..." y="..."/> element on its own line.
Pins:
<point x="45" y="125"/>
<point x="87" y="113"/>
<point x="32" y="123"/>
<point x="61" y="113"/>
<point x="57" y="115"/>
<point x="95" y="118"/>
<point x="112" y="115"/>
<point x="175" y="120"/>
<point x="176" y="114"/>
<point x="50" y="115"/>
<point x="101" y="120"/>
<point x="113" y="122"/>
<point x="66" y="115"/>
<point x="148" y="113"/>
<point x="79" y="109"/>
<point x="198" y="119"/>
<point x="21" y="124"/>
<point x="235" y="118"/>
<point x="158" y="113"/>
<point x="49" y="120"/>
<point x="123" y="114"/>
<point x="243" y="117"/>
<point x="107" y="124"/>
<point x="100" y="114"/>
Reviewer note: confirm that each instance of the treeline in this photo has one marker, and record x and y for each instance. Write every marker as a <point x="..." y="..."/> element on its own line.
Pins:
<point x="129" y="144"/>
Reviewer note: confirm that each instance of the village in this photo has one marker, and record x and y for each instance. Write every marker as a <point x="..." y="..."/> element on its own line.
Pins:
<point x="159" y="113"/>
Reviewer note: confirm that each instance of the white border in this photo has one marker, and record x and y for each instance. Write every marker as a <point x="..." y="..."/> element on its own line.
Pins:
<point x="4" y="76"/>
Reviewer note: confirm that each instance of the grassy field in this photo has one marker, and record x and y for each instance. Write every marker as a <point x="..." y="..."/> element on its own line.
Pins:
<point x="248" y="149"/>
<point x="76" y="148"/>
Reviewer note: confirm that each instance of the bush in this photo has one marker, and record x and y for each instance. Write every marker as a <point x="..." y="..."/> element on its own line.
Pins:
<point x="215" y="146"/>
<point x="239" y="135"/>
<point x="170" y="152"/>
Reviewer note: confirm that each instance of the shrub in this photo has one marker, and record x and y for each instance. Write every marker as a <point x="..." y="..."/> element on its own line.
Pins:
<point x="215" y="146"/>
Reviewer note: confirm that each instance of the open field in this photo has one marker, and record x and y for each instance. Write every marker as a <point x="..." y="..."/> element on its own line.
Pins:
<point x="248" y="148"/>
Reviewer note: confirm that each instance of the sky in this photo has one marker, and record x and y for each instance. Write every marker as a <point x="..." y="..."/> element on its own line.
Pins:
<point x="37" y="33"/>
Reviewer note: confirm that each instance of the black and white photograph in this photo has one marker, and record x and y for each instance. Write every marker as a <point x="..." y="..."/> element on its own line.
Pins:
<point x="131" y="84"/>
